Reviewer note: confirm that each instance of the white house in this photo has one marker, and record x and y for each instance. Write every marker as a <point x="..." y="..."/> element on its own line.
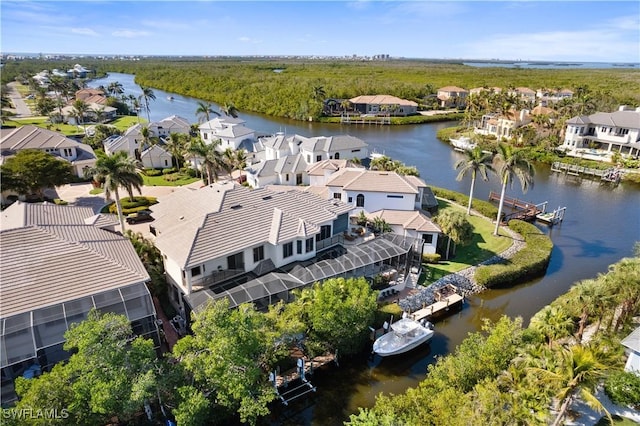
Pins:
<point x="287" y="170"/>
<point x="156" y="157"/>
<point x="228" y="230"/>
<point x="603" y="133"/>
<point x="130" y="142"/>
<point x="230" y="131"/>
<point x="413" y="224"/>
<point x="79" y="155"/>
<point x="95" y="113"/>
<point x="386" y="104"/>
<point x="632" y="343"/>
<point x="452" y="97"/>
<point x="502" y="125"/>
<point x="172" y="124"/>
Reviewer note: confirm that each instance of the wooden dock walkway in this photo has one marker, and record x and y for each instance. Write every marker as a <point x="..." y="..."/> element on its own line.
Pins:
<point x="447" y="298"/>
<point x="359" y="119"/>
<point x="611" y="174"/>
<point x="523" y="210"/>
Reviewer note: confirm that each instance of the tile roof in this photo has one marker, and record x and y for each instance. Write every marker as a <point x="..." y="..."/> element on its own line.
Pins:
<point x="318" y="169"/>
<point x="452" y="89"/>
<point x="223" y="219"/>
<point x="375" y="181"/>
<point x="32" y="137"/>
<point x="408" y="219"/>
<point x="626" y="119"/>
<point x="21" y="214"/>
<point x="291" y="164"/>
<point x="75" y="260"/>
<point x="381" y="100"/>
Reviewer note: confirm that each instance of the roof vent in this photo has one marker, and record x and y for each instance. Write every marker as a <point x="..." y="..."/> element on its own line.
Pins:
<point x="268" y="197"/>
<point x="236" y="207"/>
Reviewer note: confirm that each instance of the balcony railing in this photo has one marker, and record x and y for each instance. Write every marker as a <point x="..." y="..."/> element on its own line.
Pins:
<point x="216" y="277"/>
<point x="328" y="242"/>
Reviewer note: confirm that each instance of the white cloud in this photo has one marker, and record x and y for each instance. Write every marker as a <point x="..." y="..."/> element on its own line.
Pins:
<point x="84" y="31"/>
<point x="130" y="33"/>
<point x="246" y="39"/>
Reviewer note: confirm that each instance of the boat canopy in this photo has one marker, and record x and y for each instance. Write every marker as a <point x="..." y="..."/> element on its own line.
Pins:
<point x="404" y="326"/>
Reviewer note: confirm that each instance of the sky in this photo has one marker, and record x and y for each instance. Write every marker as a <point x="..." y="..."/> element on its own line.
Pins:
<point x="590" y="31"/>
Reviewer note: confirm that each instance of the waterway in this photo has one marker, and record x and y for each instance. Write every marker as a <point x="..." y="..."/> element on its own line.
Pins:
<point x="601" y="225"/>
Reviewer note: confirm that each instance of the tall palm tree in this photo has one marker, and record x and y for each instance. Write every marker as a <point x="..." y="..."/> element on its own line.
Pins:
<point x="475" y="162"/>
<point x="512" y="164"/>
<point x="80" y="108"/>
<point x="580" y="371"/>
<point x="114" y="88"/>
<point x="211" y="157"/>
<point x="176" y="146"/>
<point x="204" y="111"/>
<point x="147" y="95"/>
<point x="148" y="141"/>
<point x="229" y="109"/>
<point x="115" y="171"/>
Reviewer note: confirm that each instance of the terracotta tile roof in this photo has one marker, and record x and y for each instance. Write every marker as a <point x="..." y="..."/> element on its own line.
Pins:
<point x="381" y="100"/>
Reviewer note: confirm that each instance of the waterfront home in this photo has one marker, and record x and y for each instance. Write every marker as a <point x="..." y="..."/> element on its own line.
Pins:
<point x="79" y="155"/>
<point x="95" y="96"/>
<point x="502" y="125"/>
<point x="168" y="125"/>
<point x="525" y="94"/>
<point x="229" y="130"/>
<point x="598" y="136"/>
<point x="58" y="262"/>
<point x="230" y="230"/>
<point x="156" y="157"/>
<point x="452" y="97"/>
<point x="383" y="104"/>
<point x="479" y="90"/>
<point x="550" y="97"/>
<point x="286" y="159"/>
<point x="95" y="113"/>
<point x="415" y="224"/>
<point x="632" y="345"/>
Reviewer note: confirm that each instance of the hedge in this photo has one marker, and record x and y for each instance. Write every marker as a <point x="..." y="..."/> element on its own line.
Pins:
<point x="384" y="313"/>
<point x="485" y="208"/>
<point x="133" y="205"/>
<point x="528" y="263"/>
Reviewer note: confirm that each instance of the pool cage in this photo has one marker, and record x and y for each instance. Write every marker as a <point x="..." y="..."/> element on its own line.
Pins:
<point x="364" y="260"/>
<point x="32" y="342"/>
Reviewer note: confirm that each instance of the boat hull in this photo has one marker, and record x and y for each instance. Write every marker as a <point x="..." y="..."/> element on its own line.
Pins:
<point x="394" y="343"/>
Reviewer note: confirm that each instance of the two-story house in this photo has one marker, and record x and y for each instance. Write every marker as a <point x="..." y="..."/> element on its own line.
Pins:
<point x="604" y="133"/>
<point x="79" y="155"/>
<point x="452" y="97"/>
<point x="383" y="104"/>
<point x="502" y="126"/>
<point x="230" y="131"/>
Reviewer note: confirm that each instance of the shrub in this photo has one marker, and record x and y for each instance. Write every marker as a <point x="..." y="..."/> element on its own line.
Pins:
<point x="431" y="257"/>
<point x="152" y="172"/>
<point x="133" y="205"/>
<point x="169" y="170"/>
<point x="485" y="208"/>
<point x="623" y="388"/>
<point x="189" y="171"/>
<point x="60" y="202"/>
<point x="529" y="262"/>
<point x="384" y="313"/>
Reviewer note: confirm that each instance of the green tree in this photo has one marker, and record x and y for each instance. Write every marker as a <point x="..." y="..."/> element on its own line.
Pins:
<point x="148" y="141"/>
<point x="114" y="89"/>
<point x="79" y="111"/>
<point x="623" y="387"/>
<point x="553" y="323"/>
<point x="211" y="158"/>
<point x="177" y="147"/>
<point x="455" y="226"/>
<point x="512" y="164"/>
<point x="340" y="314"/>
<point x="31" y="171"/>
<point x="225" y="357"/>
<point x="204" y="111"/>
<point x="475" y="162"/>
<point x="146" y="96"/>
<point x="229" y="109"/>
<point x="115" y="171"/>
<point x="193" y="409"/>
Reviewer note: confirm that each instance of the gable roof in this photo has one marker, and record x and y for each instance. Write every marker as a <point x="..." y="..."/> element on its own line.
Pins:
<point x="173" y="123"/>
<point x="318" y="169"/>
<point x="408" y="219"/>
<point x="381" y="100"/>
<point x="375" y="181"/>
<point x="632" y="341"/>
<point x="21" y="214"/>
<point x="75" y="260"/>
<point x="626" y="119"/>
<point x="223" y="219"/>
<point x="32" y="137"/>
<point x="452" y="89"/>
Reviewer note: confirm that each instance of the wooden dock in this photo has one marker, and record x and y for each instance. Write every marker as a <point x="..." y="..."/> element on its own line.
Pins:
<point x="611" y="174"/>
<point x="359" y="119"/>
<point x="447" y="298"/>
<point x="523" y="210"/>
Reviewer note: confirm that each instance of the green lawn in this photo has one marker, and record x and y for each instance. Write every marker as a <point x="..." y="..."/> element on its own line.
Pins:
<point x="162" y="180"/>
<point x="43" y="122"/>
<point x="123" y="122"/>
<point x="483" y="246"/>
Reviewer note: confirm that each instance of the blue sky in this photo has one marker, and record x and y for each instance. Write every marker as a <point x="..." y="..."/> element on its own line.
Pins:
<point x="598" y="31"/>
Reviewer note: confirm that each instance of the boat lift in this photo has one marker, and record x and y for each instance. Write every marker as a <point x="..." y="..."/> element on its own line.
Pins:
<point x="299" y="390"/>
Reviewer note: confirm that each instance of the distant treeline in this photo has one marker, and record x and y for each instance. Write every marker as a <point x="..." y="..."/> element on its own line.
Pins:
<point x="296" y="88"/>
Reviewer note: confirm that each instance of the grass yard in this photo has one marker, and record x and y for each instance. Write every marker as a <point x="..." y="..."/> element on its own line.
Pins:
<point x="123" y="122"/>
<point x="483" y="246"/>
<point x="66" y="129"/>
<point x="174" y="179"/>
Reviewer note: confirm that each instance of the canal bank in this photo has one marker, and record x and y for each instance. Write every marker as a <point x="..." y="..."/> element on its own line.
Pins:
<point x="600" y="227"/>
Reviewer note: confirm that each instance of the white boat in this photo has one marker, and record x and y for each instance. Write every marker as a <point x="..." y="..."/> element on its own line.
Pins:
<point x="405" y="334"/>
<point x="463" y="142"/>
<point x="170" y="98"/>
<point x="374" y="155"/>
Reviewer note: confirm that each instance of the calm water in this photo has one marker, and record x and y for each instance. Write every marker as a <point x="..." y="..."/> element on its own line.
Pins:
<point x="601" y="225"/>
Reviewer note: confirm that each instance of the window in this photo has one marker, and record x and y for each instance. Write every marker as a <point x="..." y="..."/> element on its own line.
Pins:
<point x="355" y="150"/>
<point x="325" y="232"/>
<point x="318" y="157"/>
<point x="286" y="177"/>
<point x="236" y="261"/>
<point x="205" y="136"/>
<point x="287" y="250"/>
<point x="195" y="271"/>
<point x="360" y="200"/>
<point x="166" y="163"/>
<point x="337" y="195"/>
<point x="427" y="238"/>
<point x="308" y="158"/>
<point x="258" y="254"/>
<point x="299" y="246"/>
<point x="337" y="156"/>
<point x="351" y="199"/>
<point x="395" y="196"/>
<point x="299" y="179"/>
<point x="308" y="245"/>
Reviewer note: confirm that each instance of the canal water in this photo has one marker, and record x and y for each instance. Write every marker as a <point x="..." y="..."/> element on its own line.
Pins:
<point x="601" y="225"/>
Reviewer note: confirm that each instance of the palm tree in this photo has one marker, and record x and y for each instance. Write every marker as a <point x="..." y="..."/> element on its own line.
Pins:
<point x="475" y="162"/>
<point x="115" y="88"/>
<point x="580" y="371"/>
<point x="80" y="108"/>
<point x="148" y="141"/>
<point x="176" y="146"/>
<point x="147" y="94"/>
<point x="319" y="93"/>
<point x="211" y="157"/>
<point x="204" y="111"/>
<point x="240" y="161"/>
<point x="115" y="171"/>
<point x="512" y="164"/>
<point x="229" y="109"/>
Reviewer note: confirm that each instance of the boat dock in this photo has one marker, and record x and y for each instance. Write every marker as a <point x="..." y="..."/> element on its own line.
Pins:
<point x="364" y="119"/>
<point x="552" y="218"/>
<point x="611" y="174"/>
<point x="523" y="210"/>
<point x="294" y="383"/>
<point x="447" y="298"/>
